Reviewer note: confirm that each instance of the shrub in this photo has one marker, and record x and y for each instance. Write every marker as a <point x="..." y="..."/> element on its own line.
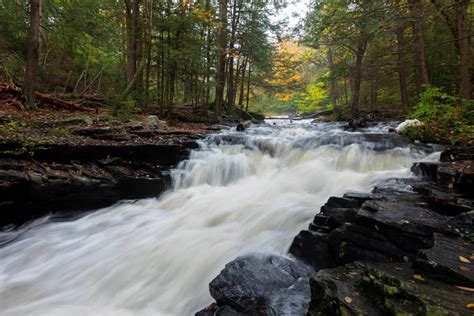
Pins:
<point x="446" y="118"/>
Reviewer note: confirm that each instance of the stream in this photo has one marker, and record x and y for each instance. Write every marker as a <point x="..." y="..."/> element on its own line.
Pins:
<point x="239" y="193"/>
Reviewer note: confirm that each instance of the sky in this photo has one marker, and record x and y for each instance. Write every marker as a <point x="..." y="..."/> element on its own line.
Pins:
<point x="293" y="13"/>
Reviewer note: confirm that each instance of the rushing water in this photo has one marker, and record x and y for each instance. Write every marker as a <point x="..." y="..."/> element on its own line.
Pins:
<point x="240" y="193"/>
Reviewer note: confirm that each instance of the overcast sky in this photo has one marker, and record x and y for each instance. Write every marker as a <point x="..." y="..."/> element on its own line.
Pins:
<point x="293" y="13"/>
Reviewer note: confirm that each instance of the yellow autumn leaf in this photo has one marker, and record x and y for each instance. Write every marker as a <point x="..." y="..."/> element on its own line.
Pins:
<point x="470" y="306"/>
<point x="418" y="277"/>
<point x="464" y="259"/>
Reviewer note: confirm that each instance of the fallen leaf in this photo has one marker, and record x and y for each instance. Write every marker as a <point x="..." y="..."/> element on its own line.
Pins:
<point x="464" y="268"/>
<point x="464" y="259"/>
<point x="468" y="289"/>
<point x="418" y="277"/>
<point x="470" y="306"/>
<point x="348" y="299"/>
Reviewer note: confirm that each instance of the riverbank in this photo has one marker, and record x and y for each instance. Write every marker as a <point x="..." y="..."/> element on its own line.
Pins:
<point x="69" y="161"/>
<point x="407" y="247"/>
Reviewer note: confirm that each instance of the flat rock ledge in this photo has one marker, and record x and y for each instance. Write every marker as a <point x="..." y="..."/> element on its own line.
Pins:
<point x="406" y="248"/>
<point x="72" y="178"/>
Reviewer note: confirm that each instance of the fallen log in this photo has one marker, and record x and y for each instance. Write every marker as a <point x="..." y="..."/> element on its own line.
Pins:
<point x="11" y="89"/>
<point x="50" y="100"/>
<point x="14" y="95"/>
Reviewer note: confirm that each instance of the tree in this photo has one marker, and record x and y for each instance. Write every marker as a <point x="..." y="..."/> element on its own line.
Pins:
<point x="464" y="48"/>
<point x="222" y="47"/>
<point x="33" y="50"/>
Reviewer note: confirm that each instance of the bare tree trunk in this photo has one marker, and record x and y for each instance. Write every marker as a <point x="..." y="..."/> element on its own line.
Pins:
<point x="33" y="50"/>
<point x="149" y="28"/>
<point x="422" y="72"/>
<point x="402" y="77"/>
<point x="332" y="80"/>
<point x="235" y="23"/>
<point x="248" y="89"/>
<point x="222" y="56"/>
<point x="242" y="85"/>
<point x="357" y="77"/>
<point x="464" y="49"/>
<point x="373" y="95"/>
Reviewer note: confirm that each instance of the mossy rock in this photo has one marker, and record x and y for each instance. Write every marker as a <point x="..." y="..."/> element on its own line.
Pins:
<point x="384" y="289"/>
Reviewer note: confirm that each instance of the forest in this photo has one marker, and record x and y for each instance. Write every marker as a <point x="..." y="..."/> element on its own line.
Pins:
<point x="236" y="157"/>
<point x="383" y="58"/>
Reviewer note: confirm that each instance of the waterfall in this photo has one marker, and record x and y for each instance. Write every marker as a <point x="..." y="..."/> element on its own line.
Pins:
<point x="238" y="193"/>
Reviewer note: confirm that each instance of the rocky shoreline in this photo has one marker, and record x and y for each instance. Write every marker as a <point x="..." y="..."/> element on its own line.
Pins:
<point x="405" y="248"/>
<point x="90" y="167"/>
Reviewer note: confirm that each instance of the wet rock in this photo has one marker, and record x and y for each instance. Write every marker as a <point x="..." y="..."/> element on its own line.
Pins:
<point x="214" y="310"/>
<point x="457" y="154"/>
<point x="383" y="289"/>
<point x="448" y="261"/>
<point x="264" y="285"/>
<point x="426" y="169"/>
<point x="458" y="176"/>
<point x="240" y="127"/>
<point x="372" y="141"/>
<point x="76" y="178"/>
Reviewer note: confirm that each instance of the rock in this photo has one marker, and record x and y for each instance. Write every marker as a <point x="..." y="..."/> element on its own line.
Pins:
<point x="75" y="178"/>
<point x="426" y="169"/>
<point x="240" y="127"/>
<point x="457" y="154"/>
<point x="458" y="175"/>
<point x="464" y="223"/>
<point x="448" y="261"/>
<point x="263" y="284"/>
<point x="152" y="121"/>
<point x="214" y="310"/>
<point x="94" y="132"/>
<point x="77" y="120"/>
<point x="408" y="123"/>
<point x="383" y="289"/>
<point x="378" y="142"/>
<point x="390" y="225"/>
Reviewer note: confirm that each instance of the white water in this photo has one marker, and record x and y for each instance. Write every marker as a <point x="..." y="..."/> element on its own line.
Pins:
<point x="157" y="256"/>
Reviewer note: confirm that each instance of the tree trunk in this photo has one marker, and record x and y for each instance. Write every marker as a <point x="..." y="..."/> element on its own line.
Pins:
<point x="222" y="43"/>
<point x="402" y="77"/>
<point x="242" y="85"/>
<point x="33" y="50"/>
<point x="357" y="77"/>
<point x="235" y="23"/>
<point x="422" y="71"/>
<point x="248" y="89"/>
<point x="149" y="29"/>
<point x="332" y="80"/>
<point x="464" y="49"/>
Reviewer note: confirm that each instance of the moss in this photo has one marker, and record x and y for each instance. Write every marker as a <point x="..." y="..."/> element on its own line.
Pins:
<point x="344" y="311"/>
<point x="60" y="132"/>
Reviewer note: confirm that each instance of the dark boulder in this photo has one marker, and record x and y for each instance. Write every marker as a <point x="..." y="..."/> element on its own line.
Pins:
<point x="263" y="285"/>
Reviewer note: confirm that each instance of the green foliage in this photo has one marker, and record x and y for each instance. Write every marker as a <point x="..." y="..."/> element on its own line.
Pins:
<point x="446" y="118"/>
<point x="314" y="98"/>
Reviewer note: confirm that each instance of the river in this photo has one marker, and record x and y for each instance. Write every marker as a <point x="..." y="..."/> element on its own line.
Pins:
<point x="239" y="193"/>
